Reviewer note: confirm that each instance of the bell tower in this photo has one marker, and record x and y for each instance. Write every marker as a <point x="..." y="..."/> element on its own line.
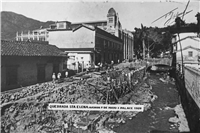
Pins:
<point x="111" y="19"/>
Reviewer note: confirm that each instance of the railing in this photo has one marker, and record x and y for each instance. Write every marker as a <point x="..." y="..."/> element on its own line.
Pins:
<point x="31" y="35"/>
<point x="154" y="61"/>
<point x="34" y="36"/>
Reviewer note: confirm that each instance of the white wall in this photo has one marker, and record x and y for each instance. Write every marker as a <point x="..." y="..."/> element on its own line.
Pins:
<point x="185" y="54"/>
<point x="75" y="57"/>
<point x="188" y="41"/>
<point x="81" y="38"/>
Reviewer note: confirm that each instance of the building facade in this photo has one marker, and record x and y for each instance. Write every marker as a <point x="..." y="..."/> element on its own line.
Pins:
<point x="190" y="43"/>
<point x="87" y="44"/>
<point x="35" y="35"/>
<point x="190" y="54"/>
<point x="111" y="25"/>
<point x="128" y="41"/>
<point x="25" y="63"/>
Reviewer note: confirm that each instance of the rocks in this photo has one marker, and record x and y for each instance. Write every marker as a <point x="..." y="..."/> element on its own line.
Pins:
<point x="11" y="109"/>
<point x="174" y="120"/>
<point x="30" y="112"/>
<point x="181" y="120"/>
<point x="104" y="130"/>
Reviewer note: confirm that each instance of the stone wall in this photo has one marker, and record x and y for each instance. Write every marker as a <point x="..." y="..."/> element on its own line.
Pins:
<point x="186" y="91"/>
<point x="192" y="83"/>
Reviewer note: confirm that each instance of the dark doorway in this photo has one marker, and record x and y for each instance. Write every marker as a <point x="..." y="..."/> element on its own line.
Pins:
<point x="40" y="73"/>
<point x="98" y="58"/>
<point x="56" y="68"/>
<point x="11" y="75"/>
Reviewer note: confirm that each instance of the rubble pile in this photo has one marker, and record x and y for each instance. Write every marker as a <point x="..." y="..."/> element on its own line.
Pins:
<point x="179" y="120"/>
<point x="32" y="115"/>
<point x="27" y="91"/>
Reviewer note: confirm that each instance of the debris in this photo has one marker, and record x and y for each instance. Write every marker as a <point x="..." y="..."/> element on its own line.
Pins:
<point x="174" y="120"/>
<point x="181" y="120"/>
<point x="29" y="112"/>
<point x="164" y="81"/>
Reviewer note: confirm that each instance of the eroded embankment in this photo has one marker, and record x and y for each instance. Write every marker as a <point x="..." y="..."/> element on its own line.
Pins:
<point x="26" y="110"/>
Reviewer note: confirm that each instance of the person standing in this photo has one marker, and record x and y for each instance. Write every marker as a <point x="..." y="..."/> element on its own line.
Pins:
<point x="65" y="125"/>
<point x="87" y="68"/>
<point x="59" y="76"/>
<point x="66" y="74"/>
<point x="54" y="77"/>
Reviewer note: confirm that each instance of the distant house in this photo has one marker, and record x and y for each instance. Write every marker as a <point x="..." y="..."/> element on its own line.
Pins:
<point x="190" y="48"/>
<point x="189" y="54"/>
<point x="26" y="63"/>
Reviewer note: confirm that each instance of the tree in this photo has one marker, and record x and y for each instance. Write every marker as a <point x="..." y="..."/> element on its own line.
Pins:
<point x="154" y="39"/>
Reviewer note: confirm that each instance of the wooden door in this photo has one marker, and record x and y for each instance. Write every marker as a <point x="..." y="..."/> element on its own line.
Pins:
<point x="40" y="73"/>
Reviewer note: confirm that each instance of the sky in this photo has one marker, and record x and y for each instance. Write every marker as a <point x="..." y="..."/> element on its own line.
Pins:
<point x="131" y="12"/>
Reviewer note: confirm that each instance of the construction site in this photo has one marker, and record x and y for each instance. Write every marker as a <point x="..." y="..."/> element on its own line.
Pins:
<point x="26" y="109"/>
<point x="95" y="77"/>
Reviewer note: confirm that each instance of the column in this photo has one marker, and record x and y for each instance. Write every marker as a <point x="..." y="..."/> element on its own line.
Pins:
<point x="37" y="36"/>
<point x="17" y="36"/>
<point x="129" y="47"/>
<point x="28" y="35"/>
<point x="94" y="58"/>
<point x="22" y="36"/>
<point x="124" y="44"/>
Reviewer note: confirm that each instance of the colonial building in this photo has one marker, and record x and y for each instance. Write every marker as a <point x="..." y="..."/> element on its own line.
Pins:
<point x="111" y="25"/>
<point x="128" y="41"/>
<point x="190" y="43"/>
<point x="86" y="44"/>
<point x="190" y="53"/>
<point x="35" y="35"/>
<point x="25" y="63"/>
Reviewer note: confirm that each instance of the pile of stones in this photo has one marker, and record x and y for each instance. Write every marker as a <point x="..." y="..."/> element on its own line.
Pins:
<point x="32" y="115"/>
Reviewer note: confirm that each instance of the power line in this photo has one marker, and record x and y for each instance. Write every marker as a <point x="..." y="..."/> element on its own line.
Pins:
<point x="165" y="14"/>
<point x="185" y="9"/>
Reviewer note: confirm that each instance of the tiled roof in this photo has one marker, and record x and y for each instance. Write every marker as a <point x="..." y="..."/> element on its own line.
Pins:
<point x="91" y="27"/>
<point x="188" y="48"/>
<point x="17" y="48"/>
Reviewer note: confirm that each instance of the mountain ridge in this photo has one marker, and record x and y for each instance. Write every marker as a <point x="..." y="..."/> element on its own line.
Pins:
<point x="12" y="22"/>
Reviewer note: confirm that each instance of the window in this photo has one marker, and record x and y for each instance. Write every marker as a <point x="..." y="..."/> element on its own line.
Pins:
<point x="190" y="53"/>
<point x="105" y="44"/>
<point x="11" y="75"/>
<point x="52" y="26"/>
<point x="40" y="73"/>
<point x="61" y="26"/>
<point x="110" y="20"/>
<point x="65" y="64"/>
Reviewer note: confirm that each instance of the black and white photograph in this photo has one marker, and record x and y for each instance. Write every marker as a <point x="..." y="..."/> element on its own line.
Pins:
<point x="100" y="66"/>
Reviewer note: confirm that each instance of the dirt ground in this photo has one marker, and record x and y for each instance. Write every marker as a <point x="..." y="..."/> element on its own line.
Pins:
<point x="157" y="117"/>
<point x="157" y="93"/>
